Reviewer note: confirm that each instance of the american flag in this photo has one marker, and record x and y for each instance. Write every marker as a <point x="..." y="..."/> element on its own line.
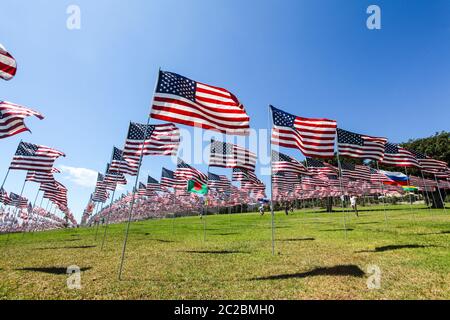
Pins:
<point x="378" y="177"/>
<point x="284" y="163"/>
<point x="313" y="137"/>
<point x="124" y="165"/>
<point x="153" y="184"/>
<point x="100" y="195"/>
<point x="4" y="198"/>
<point x="18" y="201"/>
<point x="182" y="100"/>
<point x="113" y="178"/>
<point x="244" y="175"/>
<point x="428" y="164"/>
<point x="186" y="172"/>
<point x="359" y="146"/>
<point x="218" y="182"/>
<point x="142" y="191"/>
<point x="34" y="157"/>
<point x="42" y="177"/>
<point x="318" y="167"/>
<point x="160" y="140"/>
<point x="399" y="157"/>
<point x="353" y="171"/>
<point x="228" y="155"/>
<point x="8" y="65"/>
<point x="285" y="180"/>
<point x="169" y="180"/>
<point x="57" y="193"/>
<point x="12" y="118"/>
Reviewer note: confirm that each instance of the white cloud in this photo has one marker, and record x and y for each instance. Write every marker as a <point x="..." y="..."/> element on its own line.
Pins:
<point x="80" y="176"/>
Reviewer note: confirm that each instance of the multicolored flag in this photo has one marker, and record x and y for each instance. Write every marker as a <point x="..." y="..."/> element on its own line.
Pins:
<point x="8" y="65"/>
<point x="34" y="157"/>
<point x="182" y="100"/>
<point x="360" y="146"/>
<point x="313" y="137"/>
<point x="228" y="155"/>
<point x="12" y="119"/>
<point x="196" y="187"/>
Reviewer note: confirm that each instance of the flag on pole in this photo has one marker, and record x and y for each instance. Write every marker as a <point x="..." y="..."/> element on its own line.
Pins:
<point x="182" y="100"/>
<point x="196" y="187"/>
<point x="156" y="140"/>
<point x="34" y="157"/>
<point x="359" y="146"/>
<point x="313" y="137"/>
<point x="429" y="164"/>
<point x="284" y="163"/>
<point x="8" y="65"/>
<point x="353" y="171"/>
<point x="399" y="157"/>
<point x="169" y="180"/>
<point x="228" y="155"/>
<point x="4" y="198"/>
<point x="244" y="175"/>
<point x="318" y="167"/>
<point x="218" y="182"/>
<point x="12" y="119"/>
<point x="142" y="191"/>
<point x="186" y="172"/>
<point x="153" y="184"/>
<point x="123" y="165"/>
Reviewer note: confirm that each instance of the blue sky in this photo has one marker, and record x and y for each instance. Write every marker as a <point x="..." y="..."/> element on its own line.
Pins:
<point x="311" y="58"/>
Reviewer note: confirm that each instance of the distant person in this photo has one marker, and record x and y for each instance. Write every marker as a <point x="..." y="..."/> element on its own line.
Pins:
<point x="286" y="208"/>
<point x="261" y="209"/>
<point x="353" y="202"/>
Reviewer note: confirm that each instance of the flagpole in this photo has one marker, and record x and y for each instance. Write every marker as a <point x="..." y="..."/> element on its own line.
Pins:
<point x="35" y="200"/>
<point x="440" y="194"/>
<point x="134" y="190"/>
<point x="409" y="192"/>
<point x="98" y="223"/>
<point x="7" y="172"/>
<point x="384" y="195"/>
<point x="110" y="206"/>
<point x="271" y="180"/>
<point x="342" y="192"/>
<point x="426" y="191"/>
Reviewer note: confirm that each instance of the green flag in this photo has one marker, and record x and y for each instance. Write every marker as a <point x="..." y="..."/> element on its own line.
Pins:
<point x="198" y="188"/>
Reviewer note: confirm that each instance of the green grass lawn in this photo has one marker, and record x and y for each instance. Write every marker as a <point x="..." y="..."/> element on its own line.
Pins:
<point x="171" y="259"/>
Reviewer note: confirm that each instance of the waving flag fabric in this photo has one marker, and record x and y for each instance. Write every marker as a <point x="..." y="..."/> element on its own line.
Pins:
<point x="186" y="172"/>
<point x="313" y="137"/>
<point x="169" y="180"/>
<point x="40" y="177"/>
<point x="196" y="187"/>
<point x="395" y="178"/>
<point x="359" y="146"/>
<point x="124" y="165"/>
<point x="284" y="163"/>
<point x="399" y="157"/>
<point x="244" y="175"/>
<point x="8" y="65"/>
<point x="182" y="100"/>
<point x="353" y="171"/>
<point x="156" y="140"/>
<point x="153" y="184"/>
<point x="228" y="155"/>
<point x="34" y="157"/>
<point x="142" y="191"/>
<point x="318" y="167"/>
<point x="4" y="198"/>
<point x="12" y="118"/>
<point x="218" y="182"/>
<point x="428" y="164"/>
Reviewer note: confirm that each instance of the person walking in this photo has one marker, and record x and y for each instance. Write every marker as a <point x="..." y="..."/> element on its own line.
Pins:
<point x="353" y="202"/>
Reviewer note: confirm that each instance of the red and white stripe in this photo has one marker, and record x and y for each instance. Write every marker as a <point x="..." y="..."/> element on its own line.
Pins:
<point x="12" y="118"/>
<point x="8" y="65"/>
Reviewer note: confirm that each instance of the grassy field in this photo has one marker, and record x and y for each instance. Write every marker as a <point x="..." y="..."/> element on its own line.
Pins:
<point x="175" y="259"/>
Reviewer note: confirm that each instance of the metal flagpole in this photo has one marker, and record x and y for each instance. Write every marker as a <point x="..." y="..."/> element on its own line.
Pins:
<point x="440" y="194"/>
<point x="7" y="173"/>
<point x="135" y="188"/>
<point x="110" y="206"/>
<point x="271" y="182"/>
<point x="98" y="223"/>
<point x="35" y="200"/>
<point x="108" y="218"/>
<point x="384" y="194"/>
<point x="426" y="191"/>
<point x="342" y="192"/>
<point x="410" y="198"/>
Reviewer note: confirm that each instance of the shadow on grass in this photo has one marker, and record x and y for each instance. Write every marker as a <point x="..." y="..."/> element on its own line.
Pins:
<point x="50" y="270"/>
<point x="214" y="251"/>
<point x="225" y="234"/>
<point x="397" y="247"/>
<point x="72" y="247"/>
<point x="297" y="239"/>
<point x="433" y="233"/>
<point x="336" y="271"/>
<point x="342" y="229"/>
